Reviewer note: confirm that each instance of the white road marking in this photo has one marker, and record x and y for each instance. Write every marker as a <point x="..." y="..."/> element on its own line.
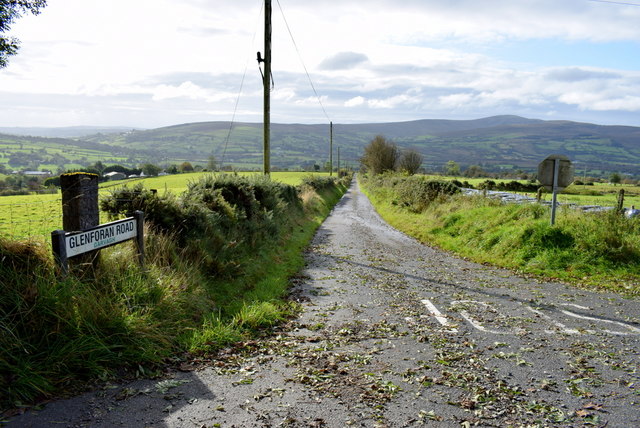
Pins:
<point x="475" y="323"/>
<point x="557" y="323"/>
<point x="442" y="319"/>
<point x="562" y="328"/>
<point x="573" y="305"/>
<point x="633" y="329"/>
<point x="479" y="326"/>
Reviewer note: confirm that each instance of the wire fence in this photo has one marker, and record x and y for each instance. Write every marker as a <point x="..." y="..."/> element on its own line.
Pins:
<point x="28" y="217"/>
<point x="35" y="216"/>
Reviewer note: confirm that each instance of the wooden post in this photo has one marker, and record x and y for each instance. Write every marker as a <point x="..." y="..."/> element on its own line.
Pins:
<point x="620" y="206"/>
<point x="60" y="251"/>
<point x="80" y="207"/>
<point x="79" y="201"/>
<point x="139" y="216"/>
<point x="330" y="149"/>
<point x="267" y="90"/>
<point x="554" y="198"/>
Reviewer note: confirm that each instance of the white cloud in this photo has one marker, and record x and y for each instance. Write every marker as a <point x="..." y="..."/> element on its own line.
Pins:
<point x="355" y="102"/>
<point x="186" y="90"/>
<point x="456" y="100"/>
<point x="381" y="59"/>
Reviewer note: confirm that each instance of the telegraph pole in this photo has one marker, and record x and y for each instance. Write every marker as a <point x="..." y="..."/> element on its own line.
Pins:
<point x="267" y="89"/>
<point x="330" y="149"/>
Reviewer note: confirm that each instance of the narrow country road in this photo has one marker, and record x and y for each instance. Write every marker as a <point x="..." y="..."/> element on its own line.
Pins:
<point x="397" y="334"/>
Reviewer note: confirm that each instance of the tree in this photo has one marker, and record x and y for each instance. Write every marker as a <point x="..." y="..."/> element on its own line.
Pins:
<point x="452" y="168"/>
<point x="185" y="167"/>
<point x="380" y="155"/>
<point x="410" y="161"/>
<point x="615" y="178"/>
<point x="475" y="171"/>
<point x="150" y="169"/>
<point x="211" y="163"/>
<point x="10" y="10"/>
<point x="99" y="166"/>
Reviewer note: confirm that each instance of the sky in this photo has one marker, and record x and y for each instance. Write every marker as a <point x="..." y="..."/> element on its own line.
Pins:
<point x="154" y="63"/>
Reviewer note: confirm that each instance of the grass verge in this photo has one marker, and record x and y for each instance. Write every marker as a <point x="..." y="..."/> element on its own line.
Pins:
<point x="592" y="250"/>
<point x="219" y="260"/>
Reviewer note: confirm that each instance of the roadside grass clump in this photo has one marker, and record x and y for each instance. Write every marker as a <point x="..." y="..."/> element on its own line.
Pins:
<point x="318" y="182"/>
<point x="593" y="250"/>
<point x="415" y="192"/>
<point x="218" y="259"/>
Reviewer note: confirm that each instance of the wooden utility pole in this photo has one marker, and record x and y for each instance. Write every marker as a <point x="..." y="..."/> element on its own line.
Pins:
<point x="330" y="149"/>
<point x="338" y="162"/>
<point x="267" y="89"/>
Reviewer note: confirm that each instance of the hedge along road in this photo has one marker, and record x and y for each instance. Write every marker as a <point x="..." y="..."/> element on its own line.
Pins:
<point x="397" y="334"/>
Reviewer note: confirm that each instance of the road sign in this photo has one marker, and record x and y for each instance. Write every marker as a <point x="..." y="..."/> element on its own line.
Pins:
<point x="546" y="170"/>
<point x="70" y="244"/>
<point x="555" y="173"/>
<point x="101" y="236"/>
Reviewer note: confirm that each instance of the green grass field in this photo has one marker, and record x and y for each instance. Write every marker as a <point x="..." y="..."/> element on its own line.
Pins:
<point x="38" y="215"/>
<point x="603" y="194"/>
<point x="35" y="216"/>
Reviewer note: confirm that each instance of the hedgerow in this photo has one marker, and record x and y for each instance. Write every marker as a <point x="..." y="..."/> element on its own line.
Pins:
<point x="217" y="262"/>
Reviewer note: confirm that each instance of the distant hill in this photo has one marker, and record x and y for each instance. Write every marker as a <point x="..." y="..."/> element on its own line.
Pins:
<point x="65" y="132"/>
<point x="495" y="143"/>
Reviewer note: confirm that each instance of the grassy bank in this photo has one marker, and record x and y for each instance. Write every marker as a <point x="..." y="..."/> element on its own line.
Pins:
<point x="219" y="259"/>
<point x="595" y="250"/>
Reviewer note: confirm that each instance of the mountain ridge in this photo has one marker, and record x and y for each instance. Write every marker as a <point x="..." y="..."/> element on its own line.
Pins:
<point x="496" y="143"/>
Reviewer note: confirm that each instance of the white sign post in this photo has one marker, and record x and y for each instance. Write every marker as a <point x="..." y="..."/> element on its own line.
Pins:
<point x="555" y="173"/>
<point x="70" y="244"/>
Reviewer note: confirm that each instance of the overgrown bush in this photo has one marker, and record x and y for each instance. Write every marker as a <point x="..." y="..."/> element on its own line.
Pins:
<point x="318" y="182"/>
<point x="417" y="194"/>
<point x="510" y="186"/>
<point x="218" y="258"/>
<point x="213" y="215"/>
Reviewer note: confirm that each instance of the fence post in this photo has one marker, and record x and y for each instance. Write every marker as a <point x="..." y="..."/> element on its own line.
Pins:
<point x="60" y="251"/>
<point x="620" y="206"/>
<point x="139" y="216"/>
<point x="80" y="207"/>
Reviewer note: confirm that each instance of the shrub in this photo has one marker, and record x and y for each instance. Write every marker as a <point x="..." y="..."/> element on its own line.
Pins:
<point x="213" y="216"/>
<point x="318" y="182"/>
<point x="487" y="185"/>
<point x="417" y="194"/>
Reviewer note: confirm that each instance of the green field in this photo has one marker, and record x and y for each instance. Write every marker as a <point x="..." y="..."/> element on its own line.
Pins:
<point x="178" y="183"/>
<point x="29" y="216"/>
<point x="603" y="194"/>
<point x="38" y="215"/>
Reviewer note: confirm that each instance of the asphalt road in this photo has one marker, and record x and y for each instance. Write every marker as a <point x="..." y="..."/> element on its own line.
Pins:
<point x="397" y="334"/>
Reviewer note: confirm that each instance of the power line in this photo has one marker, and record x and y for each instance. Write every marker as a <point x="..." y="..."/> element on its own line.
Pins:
<point x="615" y="2"/>
<point x="302" y="62"/>
<point x="235" y="108"/>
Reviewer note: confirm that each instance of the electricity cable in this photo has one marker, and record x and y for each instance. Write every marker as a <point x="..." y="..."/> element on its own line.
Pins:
<point x="615" y="2"/>
<point x="302" y="62"/>
<point x="235" y="108"/>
